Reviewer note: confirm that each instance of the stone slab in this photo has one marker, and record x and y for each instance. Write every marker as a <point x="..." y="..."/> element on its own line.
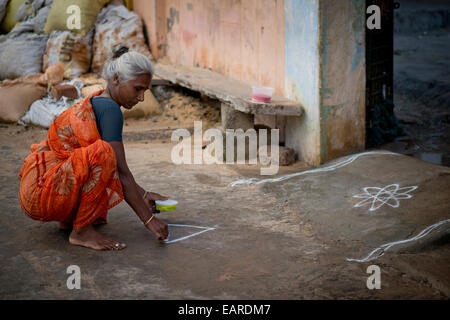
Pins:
<point x="234" y="92"/>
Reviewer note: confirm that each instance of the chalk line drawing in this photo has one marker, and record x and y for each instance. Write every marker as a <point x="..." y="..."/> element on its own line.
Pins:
<point x="323" y="169"/>
<point x="205" y="229"/>
<point x="380" y="196"/>
<point x="378" y="252"/>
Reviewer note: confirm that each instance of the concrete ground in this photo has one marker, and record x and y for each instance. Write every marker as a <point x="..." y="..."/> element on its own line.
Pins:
<point x="275" y="240"/>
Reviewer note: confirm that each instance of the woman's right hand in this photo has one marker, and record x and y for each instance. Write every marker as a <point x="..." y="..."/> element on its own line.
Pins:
<point x="159" y="228"/>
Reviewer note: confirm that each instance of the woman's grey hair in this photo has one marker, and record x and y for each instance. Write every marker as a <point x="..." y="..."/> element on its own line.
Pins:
<point x="127" y="66"/>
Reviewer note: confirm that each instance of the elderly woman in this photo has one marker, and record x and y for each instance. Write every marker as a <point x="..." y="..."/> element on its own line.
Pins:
<point x="80" y="171"/>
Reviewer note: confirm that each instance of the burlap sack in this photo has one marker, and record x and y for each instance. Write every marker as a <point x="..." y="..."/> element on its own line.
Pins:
<point x="72" y="49"/>
<point x="22" y="55"/>
<point x="92" y="83"/>
<point x="3" y="4"/>
<point x="58" y="16"/>
<point x="15" y="99"/>
<point x="9" y="20"/>
<point x="32" y="16"/>
<point x="149" y="107"/>
<point x="115" y="26"/>
<point x="55" y="73"/>
<point x="37" y="78"/>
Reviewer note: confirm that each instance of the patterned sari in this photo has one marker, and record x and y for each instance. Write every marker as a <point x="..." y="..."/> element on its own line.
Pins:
<point x="72" y="176"/>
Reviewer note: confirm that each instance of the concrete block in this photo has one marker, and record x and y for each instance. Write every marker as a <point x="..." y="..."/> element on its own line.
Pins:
<point x="286" y="156"/>
<point x="233" y="119"/>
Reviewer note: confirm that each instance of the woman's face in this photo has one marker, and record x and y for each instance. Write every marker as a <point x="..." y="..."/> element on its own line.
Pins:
<point x="129" y="93"/>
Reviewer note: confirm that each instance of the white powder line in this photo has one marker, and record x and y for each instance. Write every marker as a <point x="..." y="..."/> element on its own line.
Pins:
<point x="385" y="247"/>
<point x="187" y="225"/>
<point x="191" y="235"/>
<point x="324" y="169"/>
<point x="389" y="195"/>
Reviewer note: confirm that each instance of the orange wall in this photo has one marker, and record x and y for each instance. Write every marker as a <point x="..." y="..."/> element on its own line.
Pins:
<point x="242" y="39"/>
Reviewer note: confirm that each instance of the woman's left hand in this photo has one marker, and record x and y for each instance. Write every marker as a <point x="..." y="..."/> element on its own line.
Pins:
<point x="150" y="198"/>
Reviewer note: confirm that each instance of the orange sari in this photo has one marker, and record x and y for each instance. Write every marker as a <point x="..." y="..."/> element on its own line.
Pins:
<point x="72" y="176"/>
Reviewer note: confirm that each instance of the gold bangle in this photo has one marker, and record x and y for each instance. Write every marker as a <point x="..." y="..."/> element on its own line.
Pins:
<point x="145" y="193"/>
<point x="148" y="221"/>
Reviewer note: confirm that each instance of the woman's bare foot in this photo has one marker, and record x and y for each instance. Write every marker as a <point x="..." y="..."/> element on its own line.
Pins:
<point x="90" y="238"/>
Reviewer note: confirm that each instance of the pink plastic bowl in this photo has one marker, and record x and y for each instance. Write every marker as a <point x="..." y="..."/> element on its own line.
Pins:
<point x="262" y="94"/>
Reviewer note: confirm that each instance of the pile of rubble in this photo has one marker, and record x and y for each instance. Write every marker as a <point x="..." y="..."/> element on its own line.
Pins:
<point x="51" y="54"/>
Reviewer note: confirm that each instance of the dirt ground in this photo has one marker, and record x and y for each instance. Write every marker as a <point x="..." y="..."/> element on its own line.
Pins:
<point x="288" y="239"/>
<point x="284" y="240"/>
<point x="281" y="240"/>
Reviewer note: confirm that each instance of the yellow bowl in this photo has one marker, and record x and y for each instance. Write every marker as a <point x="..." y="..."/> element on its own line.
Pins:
<point x="166" y="205"/>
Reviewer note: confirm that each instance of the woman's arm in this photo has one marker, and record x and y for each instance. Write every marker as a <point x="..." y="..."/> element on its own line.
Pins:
<point x="141" y="191"/>
<point x="133" y="193"/>
<point x="150" y="197"/>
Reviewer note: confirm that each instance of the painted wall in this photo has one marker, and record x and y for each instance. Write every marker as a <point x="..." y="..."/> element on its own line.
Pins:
<point x="242" y="39"/>
<point x="342" y="76"/>
<point x="302" y="77"/>
<point x="312" y="51"/>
